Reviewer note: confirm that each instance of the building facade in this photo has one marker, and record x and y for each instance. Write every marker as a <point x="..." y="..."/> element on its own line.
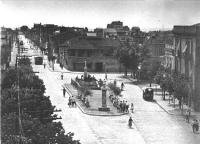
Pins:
<point x="98" y="52"/>
<point x="8" y="37"/>
<point x="187" y="60"/>
<point x="169" y="59"/>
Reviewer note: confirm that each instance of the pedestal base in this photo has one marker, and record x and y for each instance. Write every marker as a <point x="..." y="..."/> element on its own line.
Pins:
<point x="104" y="109"/>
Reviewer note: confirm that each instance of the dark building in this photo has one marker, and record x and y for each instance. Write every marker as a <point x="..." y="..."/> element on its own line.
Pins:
<point x="187" y="60"/>
<point x="98" y="52"/>
<point x="116" y="25"/>
<point x="155" y="45"/>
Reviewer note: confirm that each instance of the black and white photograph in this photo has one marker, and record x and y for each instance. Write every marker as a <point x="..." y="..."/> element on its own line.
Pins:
<point x="100" y="71"/>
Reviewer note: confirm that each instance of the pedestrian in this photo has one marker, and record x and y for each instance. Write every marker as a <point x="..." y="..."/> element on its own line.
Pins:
<point x="122" y="86"/>
<point x="120" y="106"/>
<point x="188" y="112"/>
<point x="115" y="82"/>
<point x="61" y="76"/>
<point x="123" y="106"/>
<point x="69" y="101"/>
<point x="44" y="65"/>
<point x="132" y="107"/>
<point x="64" y="91"/>
<point x="130" y="121"/>
<point x="195" y="125"/>
<point x="126" y="106"/>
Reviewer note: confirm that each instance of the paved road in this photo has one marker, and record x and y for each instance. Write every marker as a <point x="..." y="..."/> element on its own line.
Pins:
<point x="152" y="124"/>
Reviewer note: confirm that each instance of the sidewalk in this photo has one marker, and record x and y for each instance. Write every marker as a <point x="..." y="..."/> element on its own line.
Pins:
<point x="164" y="104"/>
<point x="57" y="68"/>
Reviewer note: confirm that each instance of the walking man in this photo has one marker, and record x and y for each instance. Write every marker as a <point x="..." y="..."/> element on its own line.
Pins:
<point x="61" y="76"/>
<point x="188" y="112"/>
<point x="64" y="91"/>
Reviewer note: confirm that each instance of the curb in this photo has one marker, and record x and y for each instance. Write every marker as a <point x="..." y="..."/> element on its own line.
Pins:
<point x="61" y="71"/>
<point x="167" y="110"/>
<point x="160" y="104"/>
<point x="70" y="93"/>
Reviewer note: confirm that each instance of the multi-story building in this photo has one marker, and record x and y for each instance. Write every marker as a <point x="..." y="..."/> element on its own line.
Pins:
<point x="155" y="46"/>
<point x="187" y="60"/>
<point x="8" y="36"/>
<point x="116" y="25"/>
<point x="169" y="59"/>
<point x="98" y="52"/>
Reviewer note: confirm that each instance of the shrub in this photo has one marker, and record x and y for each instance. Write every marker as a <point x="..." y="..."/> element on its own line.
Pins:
<point x="116" y="90"/>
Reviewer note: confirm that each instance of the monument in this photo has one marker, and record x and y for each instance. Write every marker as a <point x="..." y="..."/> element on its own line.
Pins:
<point x="104" y="105"/>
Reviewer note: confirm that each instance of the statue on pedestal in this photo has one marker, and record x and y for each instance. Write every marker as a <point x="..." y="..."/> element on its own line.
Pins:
<point x="104" y="105"/>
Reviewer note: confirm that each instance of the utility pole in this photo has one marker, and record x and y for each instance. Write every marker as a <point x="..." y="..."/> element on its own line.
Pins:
<point x="18" y="93"/>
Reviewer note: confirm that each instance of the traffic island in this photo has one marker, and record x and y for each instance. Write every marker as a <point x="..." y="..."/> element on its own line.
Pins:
<point x="95" y="102"/>
<point x="90" y="98"/>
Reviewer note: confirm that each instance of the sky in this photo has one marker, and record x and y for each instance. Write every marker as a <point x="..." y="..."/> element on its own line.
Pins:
<point x="147" y="14"/>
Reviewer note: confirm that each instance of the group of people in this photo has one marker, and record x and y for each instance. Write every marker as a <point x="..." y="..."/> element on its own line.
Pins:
<point x="85" y="101"/>
<point x="195" y="122"/>
<point x="71" y="102"/>
<point x="121" y="105"/>
<point x="195" y="126"/>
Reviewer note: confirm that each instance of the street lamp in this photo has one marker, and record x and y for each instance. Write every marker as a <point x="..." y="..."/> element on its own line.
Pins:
<point x="105" y="70"/>
<point x="164" y="76"/>
<point x="139" y="68"/>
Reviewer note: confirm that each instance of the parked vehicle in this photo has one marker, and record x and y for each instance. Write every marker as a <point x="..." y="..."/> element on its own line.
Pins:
<point x="148" y="94"/>
<point x="38" y="60"/>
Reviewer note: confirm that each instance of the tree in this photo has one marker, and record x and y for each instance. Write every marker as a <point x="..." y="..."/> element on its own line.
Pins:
<point x="134" y="61"/>
<point x="36" y="115"/>
<point x="24" y="61"/>
<point x="10" y="130"/>
<point x="116" y="90"/>
<point x="128" y="57"/>
<point x="181" y="89"/>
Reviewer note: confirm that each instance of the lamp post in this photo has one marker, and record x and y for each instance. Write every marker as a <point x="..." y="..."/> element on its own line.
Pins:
<point x="105" y="70"/>
<point x="164" y="76"/>
<point x="139" y="68"/>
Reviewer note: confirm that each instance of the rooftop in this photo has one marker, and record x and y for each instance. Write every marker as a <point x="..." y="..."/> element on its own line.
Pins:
<point x="187" y="30"/>
<point x="92" y="43"/>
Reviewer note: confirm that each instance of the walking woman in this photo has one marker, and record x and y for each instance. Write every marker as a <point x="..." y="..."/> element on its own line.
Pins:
<point x="132" y="107"/>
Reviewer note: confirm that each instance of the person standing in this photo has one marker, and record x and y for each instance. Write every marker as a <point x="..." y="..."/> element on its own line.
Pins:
<point x="61" y="76"/>
<point x="122" y="86"/>
<point x="195" y="125"/>
<point x="188" y="112"/>
<point x="44" y="65"/>
<point x="130" y="121"/>
<point x="127" y="107"/>
<point x="123" y="106"/>
<point x="64" y="91"/>
<point x="132" y="107"/>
